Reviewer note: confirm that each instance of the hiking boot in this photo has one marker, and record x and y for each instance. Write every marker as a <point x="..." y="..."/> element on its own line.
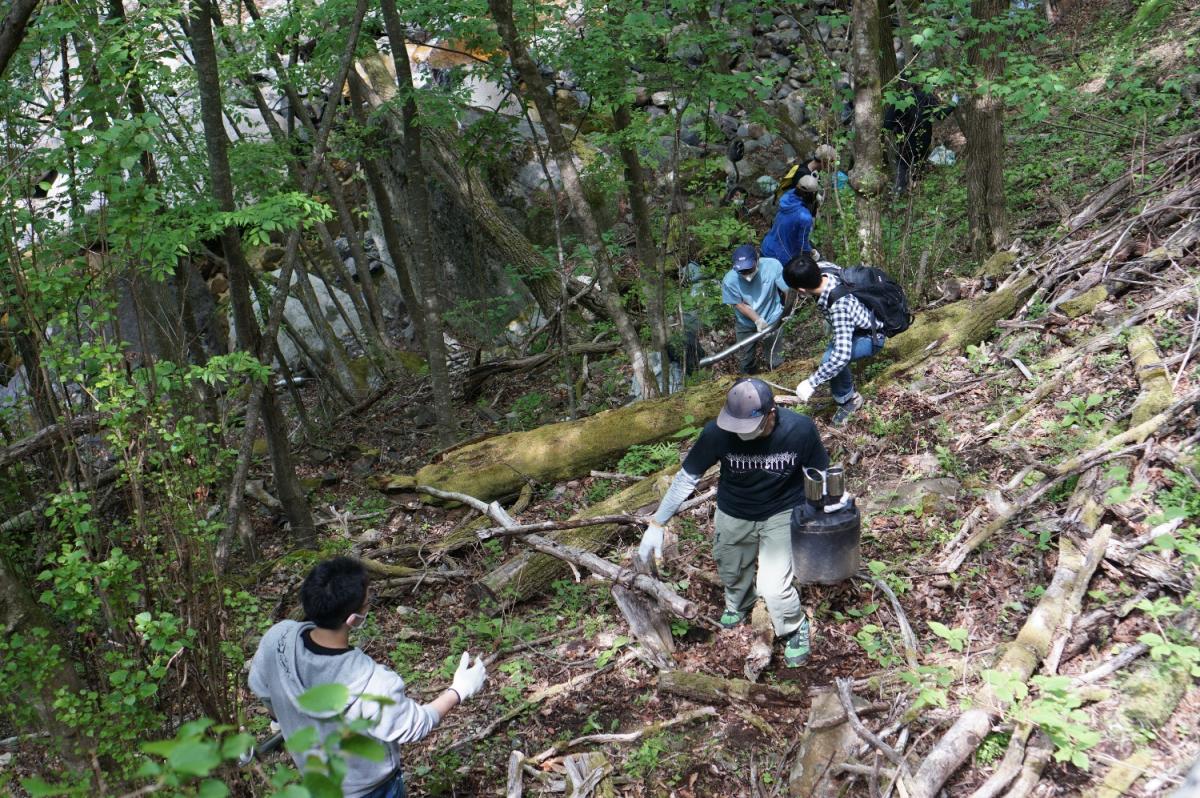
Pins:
<point x="796" y="648"/>
<point x="731" y="619"/>
<point x="847" y="409"/>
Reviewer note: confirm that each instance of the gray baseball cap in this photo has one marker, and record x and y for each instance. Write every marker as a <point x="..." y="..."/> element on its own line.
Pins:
<point x="746" y="406"/>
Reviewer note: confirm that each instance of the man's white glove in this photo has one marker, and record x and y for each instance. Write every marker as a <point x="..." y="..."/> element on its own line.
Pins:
<point x="805" y="390"/>
<point x="468" y="679"/>
<point x="816" y="255"/>
<point x="761" y="325"/>
<point x="652" y="542"/>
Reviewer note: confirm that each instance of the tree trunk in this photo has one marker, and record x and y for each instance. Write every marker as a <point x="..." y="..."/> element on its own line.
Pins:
<point x="982" y="122"/>
<point x="425" y="273"/>
<point x="535" y="90"/>
<point x="12" y="29"/>
<point x="867" y="177"/>
<point x="468" y="189"/>
<point x="653" y="272"/>
<point x="248" y="334"/>
<point x="393" y="236"/>
<point x="888" y="68"/>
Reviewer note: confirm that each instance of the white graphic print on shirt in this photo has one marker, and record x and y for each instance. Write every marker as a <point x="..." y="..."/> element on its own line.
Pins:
<point x="778" y="463"/>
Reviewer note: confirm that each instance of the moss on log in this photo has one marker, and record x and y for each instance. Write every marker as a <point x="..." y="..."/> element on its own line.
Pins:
<point x="1156" y="394"/>
<point x="498" y="466"/>
<point x="529" y="572"/>
<point x="1085" y="303"/>
<point x="706" y="689"/>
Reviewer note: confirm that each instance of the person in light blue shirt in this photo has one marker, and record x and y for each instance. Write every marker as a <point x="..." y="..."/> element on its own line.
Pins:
<point x="756" y="290"/>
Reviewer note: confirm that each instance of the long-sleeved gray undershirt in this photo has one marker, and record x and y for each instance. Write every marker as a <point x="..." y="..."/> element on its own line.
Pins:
<point x="681" y="487"/>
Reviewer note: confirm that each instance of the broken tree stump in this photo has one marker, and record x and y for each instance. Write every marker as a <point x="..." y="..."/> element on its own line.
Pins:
<point x="764" y="638"/>
<point x="647" y="621"/>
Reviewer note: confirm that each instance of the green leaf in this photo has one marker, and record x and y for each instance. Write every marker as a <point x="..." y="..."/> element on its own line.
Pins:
<point x="37" y="788"/>
<point x="194" y="757"/>
<point x="324" y="698"/>
<point x="365" y="747"/>
<point x="212" y="788"/>
<point x="233" y="747"/>
<point x="321" y="786"/>
<point x="302" y="740"/>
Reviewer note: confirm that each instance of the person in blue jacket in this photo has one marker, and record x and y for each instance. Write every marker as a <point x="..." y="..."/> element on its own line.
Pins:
<point x="791" y="233"/>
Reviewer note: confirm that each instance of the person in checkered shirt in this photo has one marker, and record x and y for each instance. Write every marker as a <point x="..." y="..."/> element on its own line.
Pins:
<point x="856" y="333"/>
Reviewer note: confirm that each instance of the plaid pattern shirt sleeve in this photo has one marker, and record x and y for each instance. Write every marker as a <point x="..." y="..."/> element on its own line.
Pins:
<point x="845" y="316"/>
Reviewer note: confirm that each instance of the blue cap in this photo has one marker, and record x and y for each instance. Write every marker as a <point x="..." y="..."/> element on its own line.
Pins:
<point x="745" y="258"/>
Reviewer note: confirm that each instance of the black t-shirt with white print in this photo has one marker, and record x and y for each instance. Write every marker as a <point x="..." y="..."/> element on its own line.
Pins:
<point x="762" y="477"/>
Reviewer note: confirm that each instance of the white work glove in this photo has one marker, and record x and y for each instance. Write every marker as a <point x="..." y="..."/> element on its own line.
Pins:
<point x="816" y="255"/>
<point x="468" y="679"/>
<point x="805" y="390"/>
<point x="652" y="542"/>
<point x="761" y="325"/>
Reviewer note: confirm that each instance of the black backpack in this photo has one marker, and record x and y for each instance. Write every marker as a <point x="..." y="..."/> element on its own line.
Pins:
<point x="882" y="295"/>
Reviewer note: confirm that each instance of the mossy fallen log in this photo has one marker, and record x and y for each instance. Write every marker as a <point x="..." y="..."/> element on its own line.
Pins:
<point x="1021" y="657"/>
<point x="1156" y="394"/>
<point x="528" y="573"/>
<point x="498" y="466"/>
<point x="706" y="689"/>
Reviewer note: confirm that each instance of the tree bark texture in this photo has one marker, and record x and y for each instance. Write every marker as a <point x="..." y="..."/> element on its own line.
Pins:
<point x="982" y="122"/>
<point x="888" y="68"/>
<point x="422" y="260"/>
<point x="535" y="90"/>
<point x="500" y="466"/>
<point x="12" y="29"/>
<point x="867" y="177"/>
<point x="248" y="334"/>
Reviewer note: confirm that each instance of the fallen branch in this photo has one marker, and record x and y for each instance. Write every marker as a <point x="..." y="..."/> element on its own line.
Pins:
<point x="1037" y="755"/>
<point x="1111" y="665"/>
<point x="1020" y="659"/>
<point x="847" y="701"/>
<point x="1009" y="767"/>
<point x="538" y="697"/>
<point x="667" y="597"/>
<point x="625" y="737"/>
<point x="907" y="637"/>
<point x="47" y="437"/>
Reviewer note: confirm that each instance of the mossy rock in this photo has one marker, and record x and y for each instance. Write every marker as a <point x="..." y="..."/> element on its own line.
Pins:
<point x="411" y="362"/>
<point x="1085" y="303"/>
<point x="260" y="448"/>
<point x="998" y="266"/>
<point x="1152" y="692"/>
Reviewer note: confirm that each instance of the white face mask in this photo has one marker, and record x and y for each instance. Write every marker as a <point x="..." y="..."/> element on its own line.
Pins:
<point x="748" y="436"/>
<point x="356" y="620"/>
<point x="748" y="276"/>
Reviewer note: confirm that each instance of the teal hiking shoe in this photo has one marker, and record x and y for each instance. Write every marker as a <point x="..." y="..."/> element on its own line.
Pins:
<point x="847" y="409"/>
<point x="796" y="649"/>
<point x="731" y="619"/>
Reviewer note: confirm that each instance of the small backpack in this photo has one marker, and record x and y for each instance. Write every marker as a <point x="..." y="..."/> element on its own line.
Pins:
<point x="791" y="177"/>
<point x="881" y="295"/>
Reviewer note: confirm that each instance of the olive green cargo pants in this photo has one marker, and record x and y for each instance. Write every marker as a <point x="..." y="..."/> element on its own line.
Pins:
<point x="754" y="558"/>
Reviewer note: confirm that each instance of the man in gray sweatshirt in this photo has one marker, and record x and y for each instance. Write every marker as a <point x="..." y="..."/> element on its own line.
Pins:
<point x="294" y="657"/>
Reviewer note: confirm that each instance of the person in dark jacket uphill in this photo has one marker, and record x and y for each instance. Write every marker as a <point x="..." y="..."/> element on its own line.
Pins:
<point x="791" y="232"/>
<point x="763" y="450"/>
<point x="857" y="333"/>
<point x="293" y="657"/>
